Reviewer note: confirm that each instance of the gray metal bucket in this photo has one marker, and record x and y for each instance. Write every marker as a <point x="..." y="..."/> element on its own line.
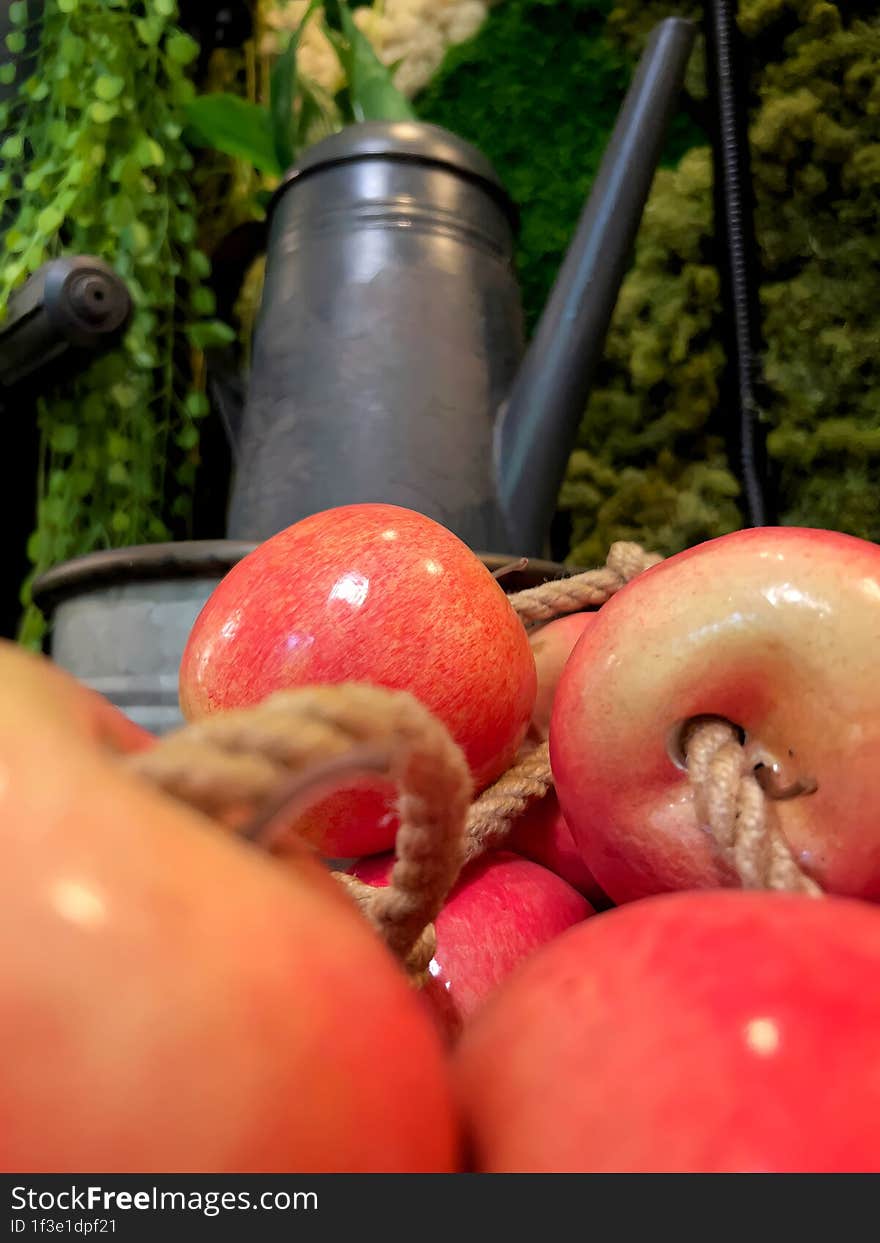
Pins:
<point x="120" y="619"/>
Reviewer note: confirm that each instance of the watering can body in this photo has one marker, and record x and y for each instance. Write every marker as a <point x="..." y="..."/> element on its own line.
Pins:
<point x="390" y="332"/>
<point x="388" y="355"/>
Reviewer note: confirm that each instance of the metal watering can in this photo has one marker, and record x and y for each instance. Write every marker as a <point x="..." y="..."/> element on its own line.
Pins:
<point x="388" y="366"/>
<point x="388" y="355"/>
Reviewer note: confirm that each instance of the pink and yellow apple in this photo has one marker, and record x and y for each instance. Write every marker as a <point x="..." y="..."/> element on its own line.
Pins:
<point x="502" y="908"/>
<point x="369" y="593"/>
<point x="689" y="1033"/>
<point x="776" y="630"/>
<point x="551" y="646"/>
<point x="170" y="999"/>
<point x="542" y="835"/>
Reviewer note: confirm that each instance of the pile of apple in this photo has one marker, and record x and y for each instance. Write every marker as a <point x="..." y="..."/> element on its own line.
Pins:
<point x="175" y="999"/>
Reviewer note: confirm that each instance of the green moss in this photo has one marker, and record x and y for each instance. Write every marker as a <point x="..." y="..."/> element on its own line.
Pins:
<point x="538" y="90"/>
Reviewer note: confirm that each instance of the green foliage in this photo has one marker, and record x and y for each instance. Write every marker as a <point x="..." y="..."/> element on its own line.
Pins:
<point x="95" y="164"/>
<point x="653" y="465"/>
<point x="235" y="127"/>
<point x="538" y="90"/>
<point x="271" y="138"/>
<point x="370" y="89"/>
<point x="815" y="138"/>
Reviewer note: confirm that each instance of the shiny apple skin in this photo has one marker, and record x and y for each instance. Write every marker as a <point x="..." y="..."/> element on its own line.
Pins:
<point x="370" y="593"/>
<point x="542" y="835"/>
<point x="551" y="646"/>
<point x="173" y="1001"/>
<point x="500" y="911"/>
<point x="692" y="1033"/>
<point x="776" y="630"/>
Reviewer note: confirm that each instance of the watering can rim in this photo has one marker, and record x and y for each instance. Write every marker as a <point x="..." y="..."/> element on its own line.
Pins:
<point x="419" y="142"/>
<point x="137" y="563"/>
<point x="183" y="559"/>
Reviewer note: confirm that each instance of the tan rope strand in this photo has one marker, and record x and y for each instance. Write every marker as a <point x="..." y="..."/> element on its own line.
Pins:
<point x="492" y="815"/>
<point x="581" y="591"/>
<point x="233" y="764"/>
<point x="732" y="805"/>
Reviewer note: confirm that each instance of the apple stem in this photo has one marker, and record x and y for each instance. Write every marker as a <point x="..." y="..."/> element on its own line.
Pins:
<point x="582" y="591"/>
<point x="732" y="804"/>
<point x="511" y="568"/>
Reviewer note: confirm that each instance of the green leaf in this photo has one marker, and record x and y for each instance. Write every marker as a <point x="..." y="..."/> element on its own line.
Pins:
<point x="203" y="301"/>
<point x="317" y="116"/>
<point x="374" y="97"/>
<point x="165" y="7"/>
<point x="199" y="264"/>
<point x="16" y="42"/>
<point x="18" y="12"/>
<point x="181" y="49"/>
<point x="235" y="127"/>
<point x="149" y="30"/>
<point x="13" y="147"/>
<point x="7" y="73"/>
<point x="108" y="86"/>
<point x="102" y="112"/>
<point x="188" y="437"/>
<point x="197" y="405"/>
<point x="68" y="6"/>
<point x="50" y="219"/>
<point x="282" y="94"/>
<point x="63" y="439"/>
<point x="211" y="333"/>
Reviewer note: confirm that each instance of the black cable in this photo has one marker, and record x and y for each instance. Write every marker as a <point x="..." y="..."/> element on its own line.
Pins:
<point x="728" y="78"/>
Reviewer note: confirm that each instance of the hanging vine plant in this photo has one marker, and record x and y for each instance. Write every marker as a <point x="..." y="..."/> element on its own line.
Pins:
<point x="94" y="163"/>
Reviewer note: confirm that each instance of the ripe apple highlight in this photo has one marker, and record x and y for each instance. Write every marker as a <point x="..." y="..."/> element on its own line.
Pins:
<point x="692" y="1033"/>
<point x="501" y="909"/>
<point x="174" y="1001"/>
<point x="776" y="630"/>
<point x="369" y="593"/>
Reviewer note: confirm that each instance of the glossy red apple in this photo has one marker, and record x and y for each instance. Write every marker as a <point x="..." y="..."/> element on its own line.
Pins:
<point x="694" y="1033"/>
<point x="542" y="835"/>
<point x="172" y="1000"/>
<point x="777" y="630"/>
<point x="502" y="908"/>
<point x="551" y="646"/>
<point x="368" y="593"/>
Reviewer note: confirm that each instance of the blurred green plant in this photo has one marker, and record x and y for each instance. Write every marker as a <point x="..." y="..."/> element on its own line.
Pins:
<point x="94" y="162"/>
<point x="299" y="111"/>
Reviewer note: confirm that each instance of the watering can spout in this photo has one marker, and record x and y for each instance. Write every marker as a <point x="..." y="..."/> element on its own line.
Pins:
<point x="537" y="427"/>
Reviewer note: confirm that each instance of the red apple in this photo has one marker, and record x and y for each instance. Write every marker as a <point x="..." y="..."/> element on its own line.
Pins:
<point x="777" y="630"/>
<point x="502" y="908"/>
<point x="694" y="1033"/>
<point x="369" y="593"/>
<point x="551" y="646"/>
<point x="542" y="835"/>
<point x="171" y="999"/>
